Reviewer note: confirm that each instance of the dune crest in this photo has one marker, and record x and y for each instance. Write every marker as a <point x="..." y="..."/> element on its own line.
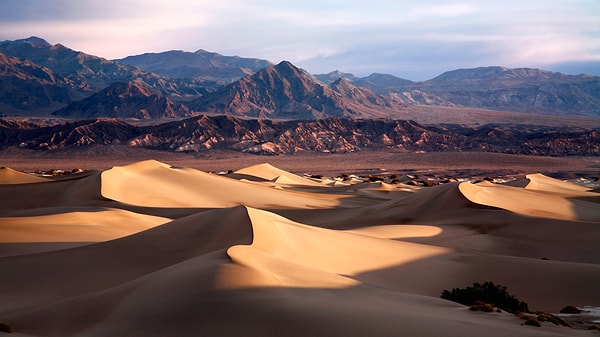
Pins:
<point x="540" y="182"/>
<point x="10" y="176"/>
<point x="91" y="226"/>
<point x="271" y="173"/>
<point x="398" y="231"/>
<point x="531" y="201"/>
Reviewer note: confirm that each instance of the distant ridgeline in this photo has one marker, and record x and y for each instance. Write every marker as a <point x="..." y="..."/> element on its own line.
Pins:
<point x="40" y="79"/>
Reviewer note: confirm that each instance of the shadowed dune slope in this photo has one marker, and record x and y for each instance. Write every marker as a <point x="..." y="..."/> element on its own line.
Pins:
<point x="79" y="190"/>
<point x="65" y="273"/>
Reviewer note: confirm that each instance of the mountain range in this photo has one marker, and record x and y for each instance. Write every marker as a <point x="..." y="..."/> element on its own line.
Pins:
<point x="194" y="102"/>
<point x="285" y="91"/>
<point x="38" y="78"/>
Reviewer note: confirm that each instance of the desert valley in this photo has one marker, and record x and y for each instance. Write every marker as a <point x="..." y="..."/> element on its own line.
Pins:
<point x="196" y="194"/>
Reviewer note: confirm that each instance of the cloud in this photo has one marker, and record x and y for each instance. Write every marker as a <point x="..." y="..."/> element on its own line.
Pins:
<point x="406" y="38"/>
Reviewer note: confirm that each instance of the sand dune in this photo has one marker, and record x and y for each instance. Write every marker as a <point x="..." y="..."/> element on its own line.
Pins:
<point x="532" y="201"/>
<point x="90" y="226"/>
<point x="269" y="172"/>
<point x="292" y="253"/>
<point x="263" y="252"/>
<point x="10" y="176"/>
<point x="540" y="182"/>
<point x="155" y="184"/>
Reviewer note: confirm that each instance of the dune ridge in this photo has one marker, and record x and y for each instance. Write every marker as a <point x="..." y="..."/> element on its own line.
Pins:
<point x="154" y="184"/>
<point x="10" y="176"/>
<point x="271" y="173"/>
<point x="177" y="251"/>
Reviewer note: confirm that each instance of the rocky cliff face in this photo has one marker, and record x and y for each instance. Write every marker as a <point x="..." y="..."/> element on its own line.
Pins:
<point x="330" y="135"/>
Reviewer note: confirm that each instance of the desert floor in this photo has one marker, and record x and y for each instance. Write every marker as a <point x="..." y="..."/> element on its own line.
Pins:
<point x="447" y="164"/>
<point x="134" y="246"/>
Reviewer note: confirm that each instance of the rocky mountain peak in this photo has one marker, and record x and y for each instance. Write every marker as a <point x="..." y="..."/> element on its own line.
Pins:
<point x="199" y="64"/>
<point x="334" y="76"/>
<point x="35" y="41"/>
<point x="128" y="89"/>
<point x="125" y="100"/>
<point x="285" y="91"/>
<point x="346" y="89"/>
<point x="286" y="67"/>
<point x="382" y="83"/>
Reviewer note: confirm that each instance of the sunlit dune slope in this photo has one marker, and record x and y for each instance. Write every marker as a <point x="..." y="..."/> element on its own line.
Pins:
<point x="290" y="253"/>
<point x="10" y="176"/>
<point x="271" y="173"/>
<point x="540" y="182"/>
<point x="81" y="226"/>
<point x="155" y="184"/>
<point x="540" y="202"/>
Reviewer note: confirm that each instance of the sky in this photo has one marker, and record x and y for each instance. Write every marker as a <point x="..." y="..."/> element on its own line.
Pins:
<point x="415" y="40"/>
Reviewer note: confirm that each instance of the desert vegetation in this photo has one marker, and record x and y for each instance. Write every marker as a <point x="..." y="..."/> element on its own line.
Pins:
<point x="487" y="296"/>
<point x="488" y="292"/>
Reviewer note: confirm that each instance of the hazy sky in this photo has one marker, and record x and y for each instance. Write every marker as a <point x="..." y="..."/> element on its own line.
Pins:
<point x="416" y="40"/>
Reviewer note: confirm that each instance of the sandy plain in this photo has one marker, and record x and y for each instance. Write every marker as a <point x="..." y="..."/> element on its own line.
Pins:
<point x="161" y="248"/>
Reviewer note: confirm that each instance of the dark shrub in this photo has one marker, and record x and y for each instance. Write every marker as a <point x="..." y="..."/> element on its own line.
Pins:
<point x="569" y="309"/>
<point x="5" y="327"/>
<point x="487" y="292"/>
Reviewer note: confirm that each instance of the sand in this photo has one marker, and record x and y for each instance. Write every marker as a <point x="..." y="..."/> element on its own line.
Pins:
<point x="148" y="249"/>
